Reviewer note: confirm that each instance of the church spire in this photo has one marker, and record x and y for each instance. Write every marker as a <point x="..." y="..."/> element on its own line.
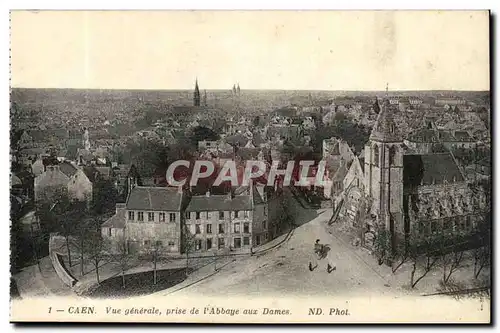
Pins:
<point x="386" y="129"/>
<point x="196" y="97"/>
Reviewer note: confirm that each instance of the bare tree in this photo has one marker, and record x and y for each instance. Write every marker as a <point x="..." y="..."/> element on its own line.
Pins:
<point x="399" y="256"/>
<point x="482" y="253"/>
<point x="59" y="212"/>
<point x="451" y="252"/>
<point x="153" y="252"/>
<point x="482" y="257"/>
<point x="95" y="248"/>
<point x="80" y="235"/>
<point x="188" y="243"/>
<point x="422" y="253"/>
<point x="382" y="244"/>
<point x="120" y="255"/>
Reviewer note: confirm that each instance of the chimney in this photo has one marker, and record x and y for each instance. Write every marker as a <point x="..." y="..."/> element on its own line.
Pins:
<point x="120" y="206"/>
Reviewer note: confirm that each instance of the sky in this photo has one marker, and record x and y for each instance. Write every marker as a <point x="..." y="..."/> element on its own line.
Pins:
<point x="299" y="50"/>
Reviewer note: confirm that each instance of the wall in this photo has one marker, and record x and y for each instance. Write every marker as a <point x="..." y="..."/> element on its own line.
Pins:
<point x="228" y="221"/>
<point x="80" y="187"/>
<point x="138" y="232"/>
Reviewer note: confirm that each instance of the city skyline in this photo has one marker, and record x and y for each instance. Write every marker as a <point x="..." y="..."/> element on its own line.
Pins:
<point x="81" y="50"/>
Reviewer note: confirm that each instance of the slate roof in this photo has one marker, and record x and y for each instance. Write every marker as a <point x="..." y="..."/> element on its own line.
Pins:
<point x="154" y="198"/>
<point x="430" y="169"/>
<point x="219" y="203"/>
<point x="446" y="136"/>
<point x="91" y="173"/>
<point x="68" y="169"/>
<point x="116" y="221"/>
<point x="463" y="136"/>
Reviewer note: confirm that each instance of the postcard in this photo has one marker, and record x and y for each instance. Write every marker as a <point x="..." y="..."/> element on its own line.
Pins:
<point x="250" y="166"/>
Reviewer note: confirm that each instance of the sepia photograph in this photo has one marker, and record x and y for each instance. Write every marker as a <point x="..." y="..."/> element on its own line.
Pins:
<point x="250" y="166"/>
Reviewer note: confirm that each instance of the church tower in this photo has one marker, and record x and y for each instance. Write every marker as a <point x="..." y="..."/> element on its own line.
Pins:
<point x="384" y="171"/>
<point x="196" y="97"/>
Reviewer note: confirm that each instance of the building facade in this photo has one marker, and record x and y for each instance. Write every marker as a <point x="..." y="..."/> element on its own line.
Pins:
<point x="64" y="176"/>
<point x="149" y="220"/>
<point x="236" y="221"/>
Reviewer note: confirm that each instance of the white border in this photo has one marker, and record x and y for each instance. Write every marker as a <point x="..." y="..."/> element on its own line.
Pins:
<point x="185" y="4"/>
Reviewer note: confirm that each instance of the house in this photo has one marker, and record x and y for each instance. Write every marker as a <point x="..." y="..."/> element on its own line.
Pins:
<point x="64" y="176"/>
<point x="337" y="148"/>
<point x="149" y="219"/>
<point x="236" y="221"/>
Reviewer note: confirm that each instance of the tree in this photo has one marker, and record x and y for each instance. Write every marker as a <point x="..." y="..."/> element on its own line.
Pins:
<point x="70" y="216"/>
<point x="188" y="243"/>
<point x="105" y="196"/>
<point x="154" y="252"/>
<point x="422" y="253"/>
<point x="382" y="244"/>
<point x="482" y="251"/>
<point x="58" y="212"/>
<point x="399" y="255"/>
<point x="95" y="248"/>
<point x="121" y="256"/>
<point x="80" y="235"/>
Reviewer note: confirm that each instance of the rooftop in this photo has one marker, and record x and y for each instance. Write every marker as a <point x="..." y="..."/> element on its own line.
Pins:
<point x="154" y="198"/>
<point x="204" y="203"/>
<point x="117" y="220"/>
<point x="68" y="169"/>
<point x="430" y="169"/>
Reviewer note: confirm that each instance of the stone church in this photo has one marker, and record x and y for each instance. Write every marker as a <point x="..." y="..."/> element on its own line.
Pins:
<point x="406" y="193"/>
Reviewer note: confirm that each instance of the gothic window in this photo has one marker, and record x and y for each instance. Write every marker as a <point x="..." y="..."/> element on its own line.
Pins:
<point x="376" y="157"/>
<point x="392" y="155"/>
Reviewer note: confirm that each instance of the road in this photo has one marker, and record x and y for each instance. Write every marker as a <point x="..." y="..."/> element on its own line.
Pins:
<point x="285" y="270"/>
